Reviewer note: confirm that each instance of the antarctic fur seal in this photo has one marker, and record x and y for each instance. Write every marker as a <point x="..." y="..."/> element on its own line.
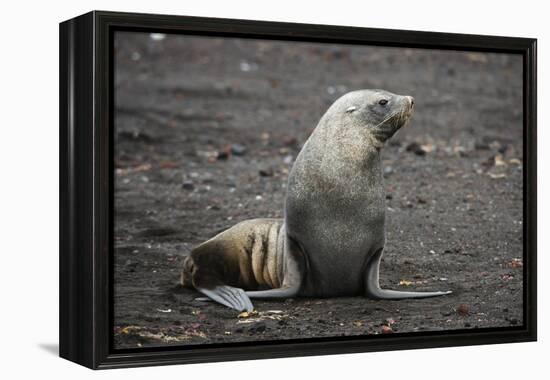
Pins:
<point x="332" y="237"/>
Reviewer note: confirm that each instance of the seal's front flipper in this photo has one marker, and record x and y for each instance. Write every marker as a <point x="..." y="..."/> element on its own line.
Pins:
<point x="372" y="285"/>
<point x="234" y="298"/>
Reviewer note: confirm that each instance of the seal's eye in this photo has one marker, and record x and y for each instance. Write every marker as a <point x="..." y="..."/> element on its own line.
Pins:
<point x="383" y="102"/>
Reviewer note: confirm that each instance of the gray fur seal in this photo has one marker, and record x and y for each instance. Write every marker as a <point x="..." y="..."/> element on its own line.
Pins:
<point x="332" y="237"/>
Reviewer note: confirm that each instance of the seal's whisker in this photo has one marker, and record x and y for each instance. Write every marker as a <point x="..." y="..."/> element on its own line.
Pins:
<point x="387" y="119"/>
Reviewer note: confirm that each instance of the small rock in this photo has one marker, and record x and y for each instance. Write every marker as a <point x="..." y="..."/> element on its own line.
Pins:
<point x="416" y="149"/>
<point x="467" y="324"/>
<point x="386" y="329"/>
<point x="188" y="185"/>
<point x="389" y="196"/>
<point x="463" y="309"/>
<point x="258" y="327"/>
<point x="507" y="277"/>
<point x="421" y="201"/>
<point x="502" y="149"/>
<point x="482" y="145"/>
<point x="388" y="170"/>
<point x="513" y="321"/>
<point x="266" y="172"/>
<point x="222" y="155"/>
<point x="288" y="159"/>
<point x="290" y="140"/>
<point x="515" y="263"/>
<point x="238" y="149"/>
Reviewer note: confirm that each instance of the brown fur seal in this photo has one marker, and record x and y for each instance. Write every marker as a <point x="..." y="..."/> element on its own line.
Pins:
<point x="332" y="238"/>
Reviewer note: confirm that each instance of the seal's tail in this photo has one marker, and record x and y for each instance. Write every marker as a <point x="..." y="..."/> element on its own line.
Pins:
<point x="374" y="291"/>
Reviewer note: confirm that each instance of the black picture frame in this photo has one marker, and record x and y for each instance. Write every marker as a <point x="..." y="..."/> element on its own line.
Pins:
<point x="86" y="188"/>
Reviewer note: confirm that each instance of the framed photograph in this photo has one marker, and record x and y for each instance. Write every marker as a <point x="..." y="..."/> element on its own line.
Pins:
<point x="236" y="189"/>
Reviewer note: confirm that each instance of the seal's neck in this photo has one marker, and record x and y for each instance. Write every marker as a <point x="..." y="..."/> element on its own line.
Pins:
<point x="359" y="147"/>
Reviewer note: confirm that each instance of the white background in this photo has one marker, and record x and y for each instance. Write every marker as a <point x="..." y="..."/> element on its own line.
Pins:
<point x="29" y="186"/>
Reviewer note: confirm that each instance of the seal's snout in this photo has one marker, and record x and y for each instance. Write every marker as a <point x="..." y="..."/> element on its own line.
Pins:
<point x="411" y="101"/>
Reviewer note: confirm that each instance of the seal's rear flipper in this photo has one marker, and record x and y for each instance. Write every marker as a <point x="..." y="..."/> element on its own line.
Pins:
<point x="372" y="285"/>
<point x="235" y="298"/>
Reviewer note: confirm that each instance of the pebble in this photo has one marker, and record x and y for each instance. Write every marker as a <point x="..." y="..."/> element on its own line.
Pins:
<point x="416" y="149"/>
<point x="290" y="140"/>
<point x="266" y="172"/>
<point x="188" y="185"/>
<point x="258" y="327"/>
<point x="463" y="309"/>
<point x="222" y="155"/>
<point x="482" y="145"/>
<point x="288" y="159"/>
<point x="238" y="149"/>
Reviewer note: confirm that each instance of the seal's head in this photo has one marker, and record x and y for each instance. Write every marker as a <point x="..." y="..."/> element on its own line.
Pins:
<point x="379" y="113"/>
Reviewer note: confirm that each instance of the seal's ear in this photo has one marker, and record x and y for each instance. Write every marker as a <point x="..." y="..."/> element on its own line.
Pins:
<point x="351" y="109"/>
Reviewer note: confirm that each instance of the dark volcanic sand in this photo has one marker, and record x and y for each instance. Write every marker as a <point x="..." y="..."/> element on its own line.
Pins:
<point x="453" y="178"/>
